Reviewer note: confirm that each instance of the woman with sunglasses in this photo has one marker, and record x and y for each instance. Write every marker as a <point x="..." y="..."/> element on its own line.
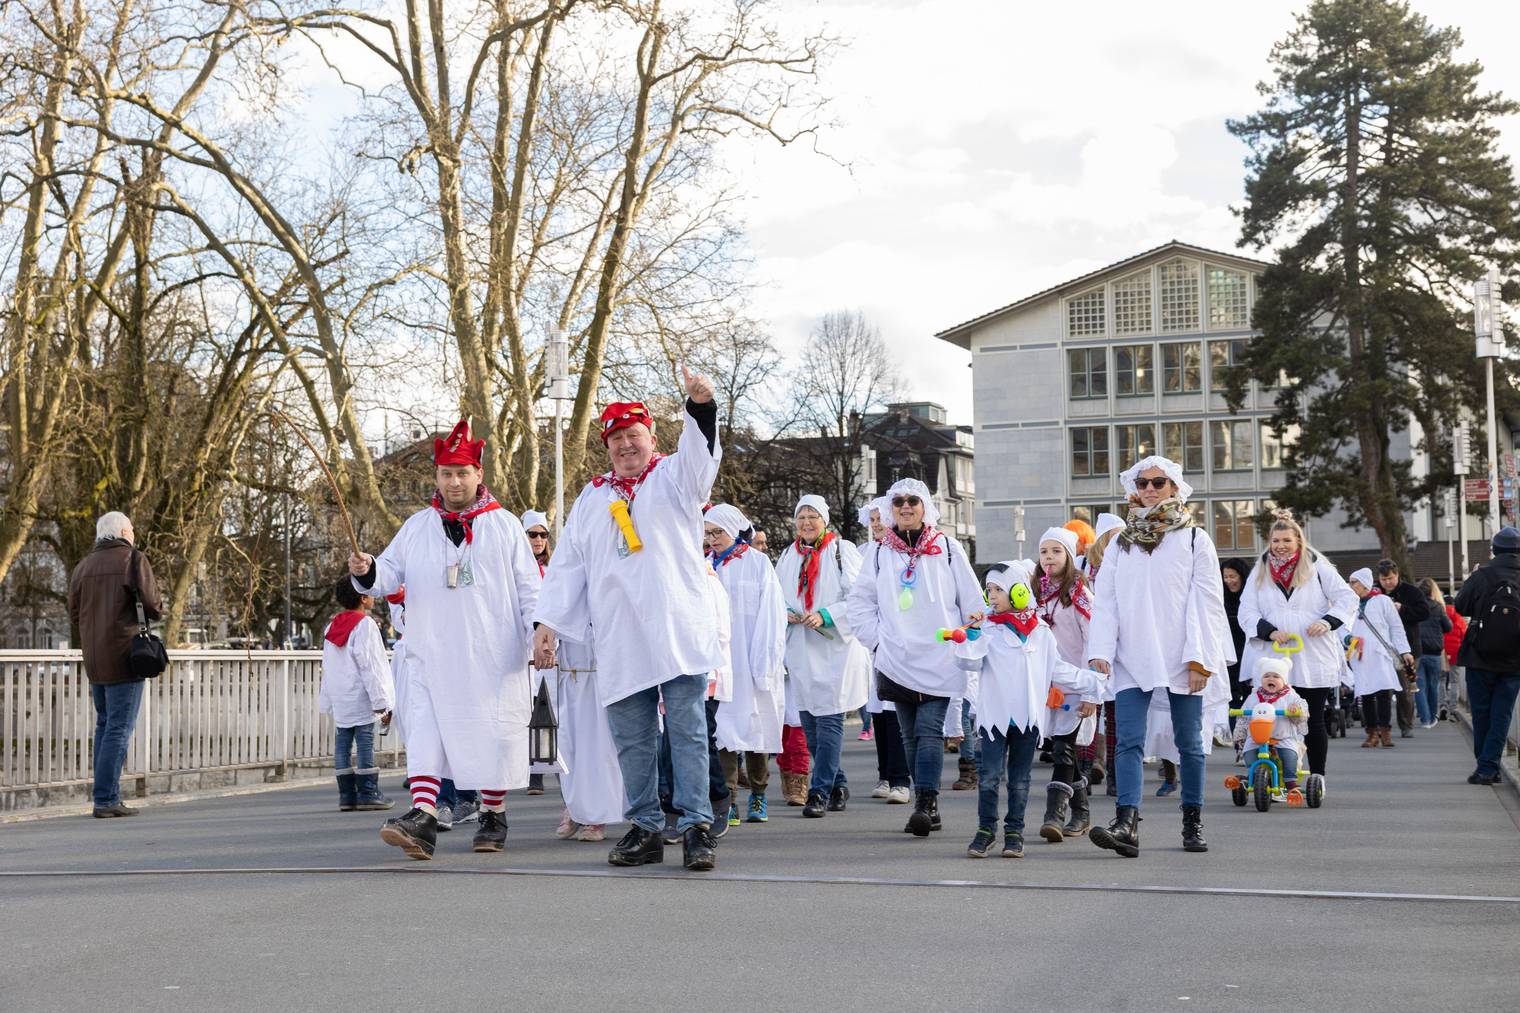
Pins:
<point x="1159" y="625"/>
<point x="893" y="782"/>
<point x="536" y="527"/>
<point x="915" y="582"/>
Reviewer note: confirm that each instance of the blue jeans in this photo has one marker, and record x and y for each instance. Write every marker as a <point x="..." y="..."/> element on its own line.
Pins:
<point x="996" y="756"/>
<point x="1131" y="708"/>
<point x="969" y="740"/>
<point x="116" y="709"/>
<point x="1427" y="694"/>
<point x="825" y="739"/>
<point x="1491" y="698"/>
<point x="1287" y="758"/>
<point x="358" y="739"/>
<point x="923" y="735"/>
<point x="865" y="718"/>
<point x="635" y="725"/>
<point x="451" y="796"/>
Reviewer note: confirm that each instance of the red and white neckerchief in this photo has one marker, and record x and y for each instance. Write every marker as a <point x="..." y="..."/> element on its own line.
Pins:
<point x="1282" y="570"/>
<point x="730" y="554"/>
<point x="1022" y="622"/>
<point x="484" y="503"/>
<point x="1261" y="695"/>
<point x="807" y="574"/>
<point x="1049" y="592"/>
<point x="927" y="545"/>
<point x="628" y="488"/>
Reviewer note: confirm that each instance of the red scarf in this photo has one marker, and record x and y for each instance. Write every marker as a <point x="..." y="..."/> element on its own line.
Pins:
<point x="342" y="626"/>
<point x="812" y="560"/>
<point x="1024" y="622"/>
<point x="628" y="488"/>
<point x="1282" y="572"/>
<point x="1377" y="589"/>
<point x="484" y="504"/>
<point x="1261" y="695"/>
<point x="1049" y="591"/>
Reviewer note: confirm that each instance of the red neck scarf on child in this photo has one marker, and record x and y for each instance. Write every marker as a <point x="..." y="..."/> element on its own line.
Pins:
<point x="342" y="627"/>
<point x="1023" y="622"/>
<point x="1261" y="695"/>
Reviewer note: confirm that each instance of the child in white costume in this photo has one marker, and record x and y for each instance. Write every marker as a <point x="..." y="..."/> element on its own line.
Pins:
<point x="1271" y="677"/>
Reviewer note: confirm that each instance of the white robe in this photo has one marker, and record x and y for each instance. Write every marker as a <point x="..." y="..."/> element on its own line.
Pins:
<point x="465" y="705"/>
<point x="1015" y="677"/>
<point x="1376" y="669"/>
<point x="650" y="615"/>
<point x="1158" y="611"/>
<point x="356" y="679"/>
<point x="827" y="676"/>
<point x="751" y="720"/>
<point x="1318" y="665"/>
<point x="592" y="783"/>
<point x="1161" y="736"/>
<point x="945" y="594"/>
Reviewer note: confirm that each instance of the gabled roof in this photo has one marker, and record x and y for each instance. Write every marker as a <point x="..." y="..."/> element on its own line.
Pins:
<point x="957" y="335"/>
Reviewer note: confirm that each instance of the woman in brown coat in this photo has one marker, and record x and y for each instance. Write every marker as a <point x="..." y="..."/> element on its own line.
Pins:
<point x="102" y="606"/>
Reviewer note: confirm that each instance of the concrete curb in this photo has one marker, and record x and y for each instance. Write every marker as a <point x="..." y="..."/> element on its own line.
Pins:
<point x="1509" y="799"/>
<point x="153" y="801"/>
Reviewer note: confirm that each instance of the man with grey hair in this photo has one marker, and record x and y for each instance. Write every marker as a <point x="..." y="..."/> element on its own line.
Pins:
<point x="104" y="590"/>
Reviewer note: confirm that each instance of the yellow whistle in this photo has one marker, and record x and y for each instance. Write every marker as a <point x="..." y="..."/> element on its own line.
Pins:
<point x="619" y="510"/>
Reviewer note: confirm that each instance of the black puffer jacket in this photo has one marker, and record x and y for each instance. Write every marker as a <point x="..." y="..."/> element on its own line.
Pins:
<point x="1472" y="602"/>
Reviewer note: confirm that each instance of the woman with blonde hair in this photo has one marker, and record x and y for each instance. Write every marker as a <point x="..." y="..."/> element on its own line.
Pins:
<point x="1433" y="630"/>
<point x="1294" y="592"/>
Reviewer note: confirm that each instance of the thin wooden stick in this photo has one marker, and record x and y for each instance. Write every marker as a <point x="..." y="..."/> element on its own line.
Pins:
<point x="333" y="482"/>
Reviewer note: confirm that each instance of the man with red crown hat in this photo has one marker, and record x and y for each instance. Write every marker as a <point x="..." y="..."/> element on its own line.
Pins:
<point x="630" y="579"/>
<point x="471" y="588"/>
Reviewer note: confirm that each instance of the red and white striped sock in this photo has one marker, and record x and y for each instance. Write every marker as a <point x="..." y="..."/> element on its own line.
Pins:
<point x="425" y="793"/>
<point x="493" y="801"/>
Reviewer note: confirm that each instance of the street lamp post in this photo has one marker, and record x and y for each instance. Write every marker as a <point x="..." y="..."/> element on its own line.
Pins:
<point x="1490" y="343"/>
<point x="1459" y="465"/>
<point x="557" y="372"/>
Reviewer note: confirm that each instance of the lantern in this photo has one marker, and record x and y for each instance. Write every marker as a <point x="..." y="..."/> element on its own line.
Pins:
<point x="543" y="729"/>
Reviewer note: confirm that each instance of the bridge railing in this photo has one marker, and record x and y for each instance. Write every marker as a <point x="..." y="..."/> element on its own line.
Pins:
<point x="210" y="711"/>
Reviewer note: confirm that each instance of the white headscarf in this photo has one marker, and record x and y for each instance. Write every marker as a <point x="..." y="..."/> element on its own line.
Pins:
<point x="535" y="519"/>
<point x="1010" y="572"/>
<point x="1065" y="537"/>
<point x="913" y="487"/>
<point x="1364" y="575"/>
<point x="727" y="517"/>
<point x="817" y="503"/>
<point x="1170" y="467"/>
<point x="1107" y="523"/>
<point x="880" y="505"/>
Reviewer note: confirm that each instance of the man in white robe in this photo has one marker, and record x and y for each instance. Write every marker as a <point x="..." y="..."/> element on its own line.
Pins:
<point x="471" y="587"/>
<point x="630" y="578"/>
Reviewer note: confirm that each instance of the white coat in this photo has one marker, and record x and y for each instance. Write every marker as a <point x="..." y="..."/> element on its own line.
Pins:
<point x="945" y="594"/>
<point x="651" y="615"/>
<point x="1318" y="665"/>
<point x="1158" y="611"/>
<point x="751" y="719"/>
<point x="1070" y="627"/>
<point x="826" y="675"/>
<point x="356" y="678"/>
<point x="1014" y="678"/>
<point x="592" y="784"/>
<point x="465" y="706"/>
<point x="1377" y="669"/>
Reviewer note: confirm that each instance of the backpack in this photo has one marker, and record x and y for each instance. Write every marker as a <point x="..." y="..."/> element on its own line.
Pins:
<point x="1495" y="630"/>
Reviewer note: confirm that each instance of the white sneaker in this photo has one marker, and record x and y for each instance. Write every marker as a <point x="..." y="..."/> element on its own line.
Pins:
<point x="881" y="790"/>
<point x="567" y="828"/>
<point x="590" y="832"/>
<point x="899" y="796"/>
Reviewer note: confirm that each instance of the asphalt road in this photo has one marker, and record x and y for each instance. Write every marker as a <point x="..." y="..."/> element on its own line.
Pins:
<point x="1403" y="892"/>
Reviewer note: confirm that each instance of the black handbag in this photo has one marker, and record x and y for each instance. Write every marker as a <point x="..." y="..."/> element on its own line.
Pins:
<point x="146" y="656"/>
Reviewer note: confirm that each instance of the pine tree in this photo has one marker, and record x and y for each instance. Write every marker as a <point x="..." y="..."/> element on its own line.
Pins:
<point x="1374" y="175"/>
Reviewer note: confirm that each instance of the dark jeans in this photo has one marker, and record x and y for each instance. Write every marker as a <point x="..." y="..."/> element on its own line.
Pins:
<point x="1317" y="738"/>
<point x="998" y="756"/>
<point x="451" y="796"/>
<point x="717" y="783"/>
<point x="891" y="761"/>
<point x="1491" y="698"/>
<point x="825" y="739"/>
<point x="116" y="707"/>
<point x="923" y="735"/>
<point x="1377" y="709"/>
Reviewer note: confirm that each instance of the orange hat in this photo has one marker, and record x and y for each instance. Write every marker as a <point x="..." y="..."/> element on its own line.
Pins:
<point x="1084" y="532"/>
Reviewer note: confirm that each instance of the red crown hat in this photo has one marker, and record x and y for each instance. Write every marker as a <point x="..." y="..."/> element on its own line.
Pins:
<point x="458" y="448"/>
<point x="621" y="414"/>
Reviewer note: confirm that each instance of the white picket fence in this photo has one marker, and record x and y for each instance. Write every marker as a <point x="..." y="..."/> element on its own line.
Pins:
<point x="211" y="711"/>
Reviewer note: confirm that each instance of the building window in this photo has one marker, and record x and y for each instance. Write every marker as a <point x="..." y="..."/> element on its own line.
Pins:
<point x="1196" y="511"/>
<point x="1084" y="314"/>
<point x="1089" y="372"/>
<point x="1089" y="511"/>
<point x="1132" y="304"/>
<point x="1234" y="524"/>
<point x="1183" y="443"/>
<point x="1134" y="370"/>
<point x="1229" y="307"/>
<point x="1135" y="442"/>
<point x="1223" y="357"/>
<point x="1272" y="445"/>
<point x="1232" y="444"/>
<point x="1179" y="296"/>
<point x="1089" y="452"/>
<point x="1181" y="367"/>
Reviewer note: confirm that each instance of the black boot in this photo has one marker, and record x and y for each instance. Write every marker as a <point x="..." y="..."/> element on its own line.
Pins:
<point x="415" y="833"/>
<point x="1122" y="835"/>
<point x="934" y="822"/>
<point x="922" y="821"/>
<point x="1053" y="827"/>
<point x="817" y="805"/>
<point x="838" y="798"/>
<point x="638" y="847"/>
<point x="1080" y="820"/>
<point x="700" y="849"/>
<point x="371" y="798"/>
<point x="492" y="835"/>
<point x="348" y="792"/>
<point x="1192" y="829"/>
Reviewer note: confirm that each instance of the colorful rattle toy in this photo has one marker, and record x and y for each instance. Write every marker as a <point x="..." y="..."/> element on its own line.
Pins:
<point x="959" y="635"/>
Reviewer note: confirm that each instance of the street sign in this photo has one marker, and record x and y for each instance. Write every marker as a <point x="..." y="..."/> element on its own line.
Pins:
<point x="1477" y="488"/>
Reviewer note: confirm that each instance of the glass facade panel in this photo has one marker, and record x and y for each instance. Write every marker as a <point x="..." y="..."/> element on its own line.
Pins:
<point x="1178" y="282"/>
<point x="1134" y="370"/>
<point x="1181" y="367"/>
<point x="1229" y="306"/>
<point x="1084" y="315"/>
<point x="1132" y="304"/>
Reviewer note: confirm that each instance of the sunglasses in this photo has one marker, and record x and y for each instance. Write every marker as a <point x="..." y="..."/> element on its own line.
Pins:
<point x="538" y="534"/>
<point x="1154" y="483"/>
<point x="898" y="501"/>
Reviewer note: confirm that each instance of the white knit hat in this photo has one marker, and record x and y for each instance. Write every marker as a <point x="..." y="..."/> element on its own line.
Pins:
<point x="1010" y="572"/>
<point x="1068" y="539"/>
<point x="535" y="519"/>
<point x="1362" y="576"/>
<point x="1279" y="664"/>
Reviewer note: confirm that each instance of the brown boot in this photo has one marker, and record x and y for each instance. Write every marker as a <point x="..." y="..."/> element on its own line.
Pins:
<point x="1372" y="738"/>
<point x="1387" y="734"/>
<point x="967" y="779"/>
<point x="794" y="788"/>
